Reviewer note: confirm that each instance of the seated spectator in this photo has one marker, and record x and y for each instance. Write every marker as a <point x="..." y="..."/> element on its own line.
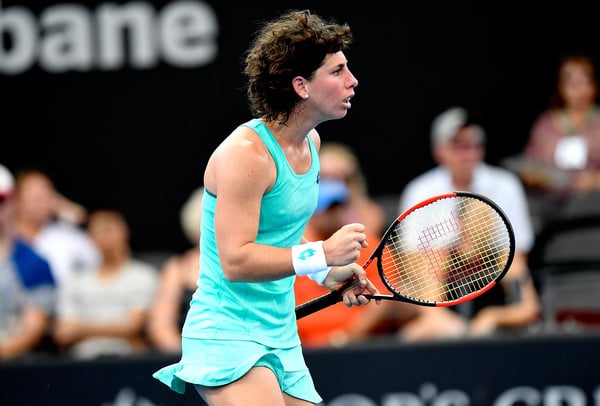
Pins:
<point x="27" y="288"/>
<point x="562" y="155"/>
<point x="458" y="148"/>
<point x="338" y="161"/>
<point x="330" y="326"/>
<point x="44" y="219"/>
<point x="103" y="312"/>
<point x="177" y="282"/>
<point x="343" y="199"/>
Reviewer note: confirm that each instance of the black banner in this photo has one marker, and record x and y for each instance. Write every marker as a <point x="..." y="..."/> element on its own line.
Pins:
<point x="537" y="371"/>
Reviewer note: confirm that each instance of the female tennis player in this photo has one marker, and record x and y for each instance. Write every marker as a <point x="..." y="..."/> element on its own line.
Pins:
<point x="240" y="343"/>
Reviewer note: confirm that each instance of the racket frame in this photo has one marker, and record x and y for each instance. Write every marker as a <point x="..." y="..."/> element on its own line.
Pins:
<point x="336" y="296"/>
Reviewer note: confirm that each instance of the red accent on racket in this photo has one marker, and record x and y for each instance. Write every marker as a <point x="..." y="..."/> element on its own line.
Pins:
<point x="446" y="250"/>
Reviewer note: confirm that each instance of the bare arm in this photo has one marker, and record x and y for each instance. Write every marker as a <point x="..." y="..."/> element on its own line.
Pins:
<point x="70" y="331"/>
<point x="519" y="311"/>
<point x="240" y="172"/>
<point x="163" y="321"/>
<point x="33" y="327"/>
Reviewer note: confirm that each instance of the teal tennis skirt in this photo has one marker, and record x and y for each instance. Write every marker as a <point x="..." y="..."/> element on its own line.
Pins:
<point x="219" y="362"/>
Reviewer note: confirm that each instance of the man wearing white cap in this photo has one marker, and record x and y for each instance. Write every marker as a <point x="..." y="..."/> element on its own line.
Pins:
<point x="27" y="286"/>
<point x="458" y="146"/>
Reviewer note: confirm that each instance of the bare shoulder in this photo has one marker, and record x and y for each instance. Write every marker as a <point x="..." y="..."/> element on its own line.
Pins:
<point x="241" y="153"/>
<point x="242" y="140"/>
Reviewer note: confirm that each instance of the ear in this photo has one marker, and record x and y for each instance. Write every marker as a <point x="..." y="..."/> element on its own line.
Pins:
<point x="299" y="84"/>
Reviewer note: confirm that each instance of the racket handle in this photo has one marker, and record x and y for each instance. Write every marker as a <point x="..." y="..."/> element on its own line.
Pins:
<point x="318" y="304"/>
<point x="322" y="302"/>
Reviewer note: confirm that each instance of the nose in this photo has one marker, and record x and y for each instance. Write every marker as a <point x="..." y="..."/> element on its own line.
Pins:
<point x="353" y="80"/>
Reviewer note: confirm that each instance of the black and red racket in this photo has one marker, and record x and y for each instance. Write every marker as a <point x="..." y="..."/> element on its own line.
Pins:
<point x="446" y="250"/>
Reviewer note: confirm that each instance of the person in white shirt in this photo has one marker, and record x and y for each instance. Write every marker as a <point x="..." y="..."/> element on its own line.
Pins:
<point x="103" y="312"/>
<point x="458" y="147"/>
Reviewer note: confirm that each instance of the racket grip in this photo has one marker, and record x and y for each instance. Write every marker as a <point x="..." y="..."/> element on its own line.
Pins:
<point x="324" y="301"/>
<point x="318" y="304"/>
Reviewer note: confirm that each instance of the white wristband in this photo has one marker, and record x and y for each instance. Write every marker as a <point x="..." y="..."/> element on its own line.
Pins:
<point x="309" y="258"/>
<point x="319" y="277"/>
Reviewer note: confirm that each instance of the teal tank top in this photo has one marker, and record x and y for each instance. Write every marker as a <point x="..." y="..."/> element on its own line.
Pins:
<point x="257" y="311"/>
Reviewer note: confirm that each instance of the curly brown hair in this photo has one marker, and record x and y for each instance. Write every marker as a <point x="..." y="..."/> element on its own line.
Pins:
<point x="294" y="44"/>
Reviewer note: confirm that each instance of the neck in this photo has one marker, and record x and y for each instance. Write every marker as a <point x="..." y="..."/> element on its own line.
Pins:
<point x="28" y="230"/>
<point x="462" y="182"/>
<point x="114" y="261"/>
<point x="288" y="133"/>
<point x="577" y="116"/>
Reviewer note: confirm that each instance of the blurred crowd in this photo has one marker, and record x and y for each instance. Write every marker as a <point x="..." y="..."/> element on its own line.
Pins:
<point x="71" y="285"/>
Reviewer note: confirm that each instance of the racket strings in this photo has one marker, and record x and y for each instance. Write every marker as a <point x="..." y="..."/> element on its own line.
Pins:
<point x="455" y="247"/>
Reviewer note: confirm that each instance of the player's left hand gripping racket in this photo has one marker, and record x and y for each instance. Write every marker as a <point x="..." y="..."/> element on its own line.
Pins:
<point x="446" y="250"/>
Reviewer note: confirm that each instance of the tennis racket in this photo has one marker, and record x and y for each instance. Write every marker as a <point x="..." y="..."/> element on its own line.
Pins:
<point x="446" y="250"/>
